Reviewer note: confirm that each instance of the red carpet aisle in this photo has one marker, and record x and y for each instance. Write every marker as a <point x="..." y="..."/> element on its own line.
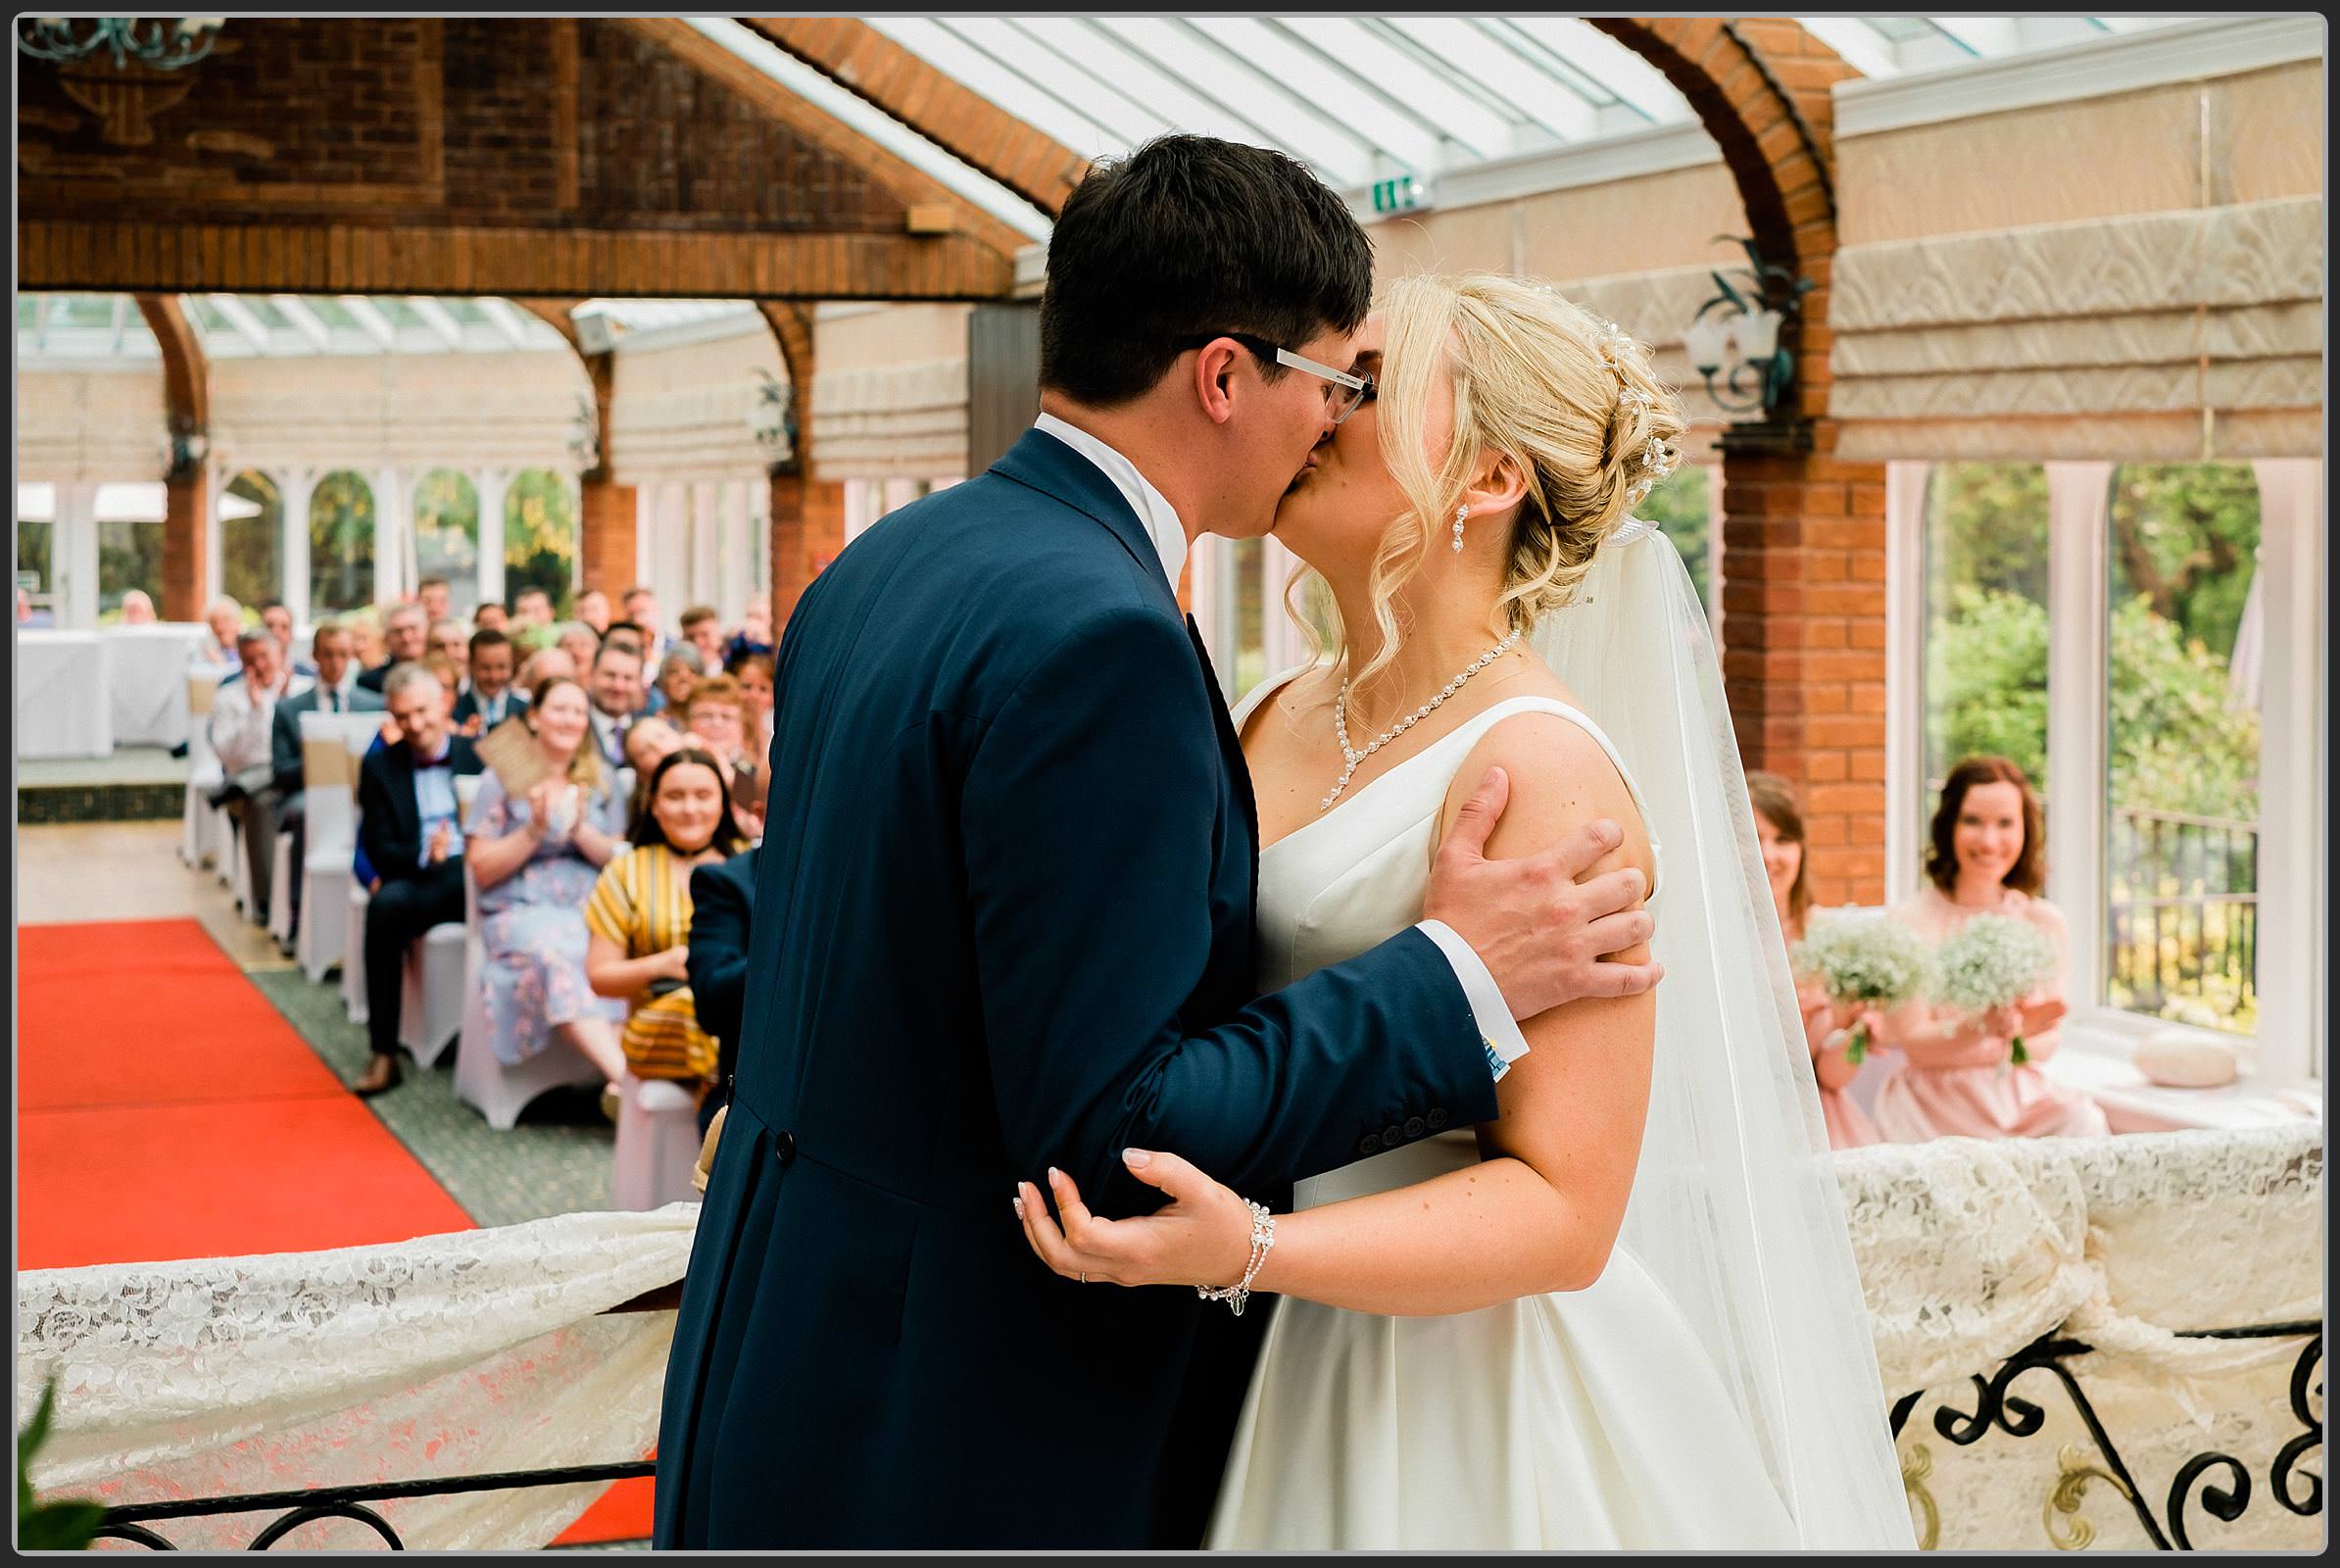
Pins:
<point x="166" y="1111"/>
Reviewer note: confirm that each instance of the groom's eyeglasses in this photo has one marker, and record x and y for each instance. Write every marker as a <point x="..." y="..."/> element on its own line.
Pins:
<point x="1343" y="392"/>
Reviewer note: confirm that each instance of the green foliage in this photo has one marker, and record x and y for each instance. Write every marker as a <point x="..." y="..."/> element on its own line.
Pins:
<point x="249" y="546"/>
<point x="540" y="537"/>
<point x="1987" y="682"/>
<point x="447" y="529"/>
<point x="2184" y="536"/>
<point x="130" y="556"/>
<point x="35" y="540"/>
<point x="341" y="543"/>
<point x="1986" y="526"/>
<point x="2176" y="743"/>
<point x="1677" y="505"/>
<point x="67" y="1525"/>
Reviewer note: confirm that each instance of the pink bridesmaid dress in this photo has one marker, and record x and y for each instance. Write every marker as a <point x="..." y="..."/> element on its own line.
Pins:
<point x="1848" y="1127"/>
<point x="1944" y="1091"/>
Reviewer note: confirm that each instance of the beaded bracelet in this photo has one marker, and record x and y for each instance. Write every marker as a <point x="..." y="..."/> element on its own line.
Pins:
<point x="1263" y="1236"/>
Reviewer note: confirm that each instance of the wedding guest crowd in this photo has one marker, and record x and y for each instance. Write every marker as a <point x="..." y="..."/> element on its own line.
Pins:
<point x="637" y="798"/>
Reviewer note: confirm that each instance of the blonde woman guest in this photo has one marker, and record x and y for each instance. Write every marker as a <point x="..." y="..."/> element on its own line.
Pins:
<point x="536" y="859"/>
<point x="639" y="918"/>
<point x="1986" y="854"/>
<point x="1828" y="1027"/>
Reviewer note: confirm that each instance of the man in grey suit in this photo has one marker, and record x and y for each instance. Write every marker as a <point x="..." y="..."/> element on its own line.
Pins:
<point x="334" y="653"/>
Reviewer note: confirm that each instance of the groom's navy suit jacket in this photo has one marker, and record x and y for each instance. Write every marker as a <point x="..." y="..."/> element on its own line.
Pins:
<point x="1003" y="920"/>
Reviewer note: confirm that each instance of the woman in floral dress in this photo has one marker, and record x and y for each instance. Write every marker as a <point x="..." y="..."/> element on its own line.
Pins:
<point x="535" y="859"/>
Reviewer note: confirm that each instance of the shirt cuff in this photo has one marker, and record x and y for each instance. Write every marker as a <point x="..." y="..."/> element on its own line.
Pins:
<point x="1498" y="1031"/>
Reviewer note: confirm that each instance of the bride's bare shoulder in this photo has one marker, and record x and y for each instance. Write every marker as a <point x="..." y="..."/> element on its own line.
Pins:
<point x="1561" y="777"/>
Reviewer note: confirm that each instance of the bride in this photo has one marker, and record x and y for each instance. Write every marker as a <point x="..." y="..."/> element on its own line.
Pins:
<point x="1625" y="1314"/>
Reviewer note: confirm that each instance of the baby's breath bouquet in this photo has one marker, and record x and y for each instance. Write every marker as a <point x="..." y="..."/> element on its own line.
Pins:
<point x="1864" y="958"/>
<point x="1993" y="960"/>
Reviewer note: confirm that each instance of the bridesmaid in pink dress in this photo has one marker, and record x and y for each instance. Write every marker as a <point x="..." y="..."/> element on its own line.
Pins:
<point x="1780" y="827"/>
<point x="1987" y="856"/>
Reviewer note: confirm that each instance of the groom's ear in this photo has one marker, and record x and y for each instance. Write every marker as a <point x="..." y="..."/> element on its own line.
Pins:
<point x="1214" y="376"/>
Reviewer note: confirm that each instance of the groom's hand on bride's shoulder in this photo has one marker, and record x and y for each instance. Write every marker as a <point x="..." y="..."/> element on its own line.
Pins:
<point x="1540" y="924"/>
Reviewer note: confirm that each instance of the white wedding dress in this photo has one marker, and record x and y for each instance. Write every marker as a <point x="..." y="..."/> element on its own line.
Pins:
<point x="1589" y="1420"/>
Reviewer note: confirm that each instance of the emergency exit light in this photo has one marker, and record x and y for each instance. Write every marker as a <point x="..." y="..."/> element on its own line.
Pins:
<point x="1403" y="194"/>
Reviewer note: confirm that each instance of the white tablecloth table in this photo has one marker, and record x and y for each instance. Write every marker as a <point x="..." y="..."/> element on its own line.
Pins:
<point x="61" y="694"/>
<point x="146" y="680"/>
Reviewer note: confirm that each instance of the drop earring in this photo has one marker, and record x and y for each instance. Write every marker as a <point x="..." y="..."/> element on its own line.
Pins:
<point x="1460" y="513"/>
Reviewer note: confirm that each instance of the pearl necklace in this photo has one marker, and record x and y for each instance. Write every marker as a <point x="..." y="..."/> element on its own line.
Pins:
<point x="1341" y="717"/>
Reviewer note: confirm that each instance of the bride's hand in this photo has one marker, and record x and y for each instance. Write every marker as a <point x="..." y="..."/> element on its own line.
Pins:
<point x="1204" y="1237"/>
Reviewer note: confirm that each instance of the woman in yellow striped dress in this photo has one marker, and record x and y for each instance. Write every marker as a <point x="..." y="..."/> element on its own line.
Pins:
<point x="639" y="918"/>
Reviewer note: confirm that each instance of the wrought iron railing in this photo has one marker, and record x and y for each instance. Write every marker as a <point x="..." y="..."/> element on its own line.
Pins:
<point x="2223" y="1481"/>
<point x="2181" y="913"/>
<point x="2219" y="1482"/>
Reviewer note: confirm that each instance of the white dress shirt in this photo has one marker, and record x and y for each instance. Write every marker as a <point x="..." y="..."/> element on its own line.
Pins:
<point x="1498" y="1031"/>
<point x="239" y="724"/>
<point x="336" y="699"/>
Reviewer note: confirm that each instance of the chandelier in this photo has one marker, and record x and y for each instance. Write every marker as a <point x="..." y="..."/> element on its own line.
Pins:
<point x="163" y="42"/>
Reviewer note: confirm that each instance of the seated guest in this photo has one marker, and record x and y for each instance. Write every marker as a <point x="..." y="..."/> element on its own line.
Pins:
<point x="334" y="691"/>
<point x="137" y="610"/>
<point x="489" y="615"/>
<point x="408" y="828"/>
<point x="535" y="860"/>
<point x="702" y="629"/>
<point x="754" y="635"/>
<point x="433" y="595"/>
<point x="648" y="744"/>
<point x="532" y="606"/>
<point x="241" y="726"/>
<point x="279" y="622"/>
<point x="755" y="674"/>
<point x="1986" y="852"/>
<point x="641" y="607"/>
<point x="579" y="641"/>
<point x="405" y="638"/>
<point x="616" y="686"/>
<point x="542" y="665"/>
<point x="714" y="717"/>
<point x="640" y="919"/>
<point x="368" y="644"/>
<point x="1827" y="1030"/>
<point x="593" y="608"/>
<point x="722" y="897"/>
<point x="678" y="672"/>
<point x="449" y="640"/>
<point x="488" y="699"/>
<point x="225" y="618"/>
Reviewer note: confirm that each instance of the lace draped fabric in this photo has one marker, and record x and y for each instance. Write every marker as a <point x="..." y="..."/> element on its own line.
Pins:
<point x="487" y="1351"/>
<point x="447" y="1356"/>
<point x="1971" y="1250"/>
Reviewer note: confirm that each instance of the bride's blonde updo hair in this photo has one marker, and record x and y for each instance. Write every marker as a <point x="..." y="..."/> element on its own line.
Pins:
<point x="1566" y="395"/>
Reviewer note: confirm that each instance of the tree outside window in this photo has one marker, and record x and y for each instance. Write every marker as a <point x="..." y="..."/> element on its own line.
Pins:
<point x="341" y="539"/>
<point x="540" y="537"/>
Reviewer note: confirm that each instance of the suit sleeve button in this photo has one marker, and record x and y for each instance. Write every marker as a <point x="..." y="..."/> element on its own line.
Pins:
<point x="1414" y="1126"/>
<point x="1368" y="1143"/>
<point x="1392" y="1137"/>
<point x="1436" y="1119"/>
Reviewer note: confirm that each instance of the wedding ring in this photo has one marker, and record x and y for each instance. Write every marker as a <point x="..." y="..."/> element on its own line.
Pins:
<point x="1084" y="1279"/>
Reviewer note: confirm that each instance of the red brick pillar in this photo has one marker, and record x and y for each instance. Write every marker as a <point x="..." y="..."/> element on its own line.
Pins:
<point x="606" y="528"/>
<point x="1804" y="632"/>
<point x="186" y="542"/>
<point x="807" y="531"/>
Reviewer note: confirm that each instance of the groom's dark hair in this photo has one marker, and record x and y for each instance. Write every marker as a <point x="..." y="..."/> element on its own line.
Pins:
<point x="1186" y="236"/>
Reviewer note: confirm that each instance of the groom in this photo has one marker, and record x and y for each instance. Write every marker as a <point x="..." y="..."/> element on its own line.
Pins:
<point x="1005" y="921"/>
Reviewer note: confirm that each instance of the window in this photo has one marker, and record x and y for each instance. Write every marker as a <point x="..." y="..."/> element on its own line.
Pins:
<point x="251" y="539"/>
<point x="2185" y="632"/>
<point x="1986" y="618"/>
<point x="341" y="535"/>
<point x="1682" y="508"/>
<point x="540" y="536"/>
<point x="447" y="535"/>
<point x="2155" y="634"/>
<point x="129" y="528"/>
<point x="36" y="534"/>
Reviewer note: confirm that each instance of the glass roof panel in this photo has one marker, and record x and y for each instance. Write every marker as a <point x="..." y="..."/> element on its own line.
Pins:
<point x="467" y="312"/>
<point x="330" y="310"/>
<point x="398" y="311"/>
<point x="270" y="315"/>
